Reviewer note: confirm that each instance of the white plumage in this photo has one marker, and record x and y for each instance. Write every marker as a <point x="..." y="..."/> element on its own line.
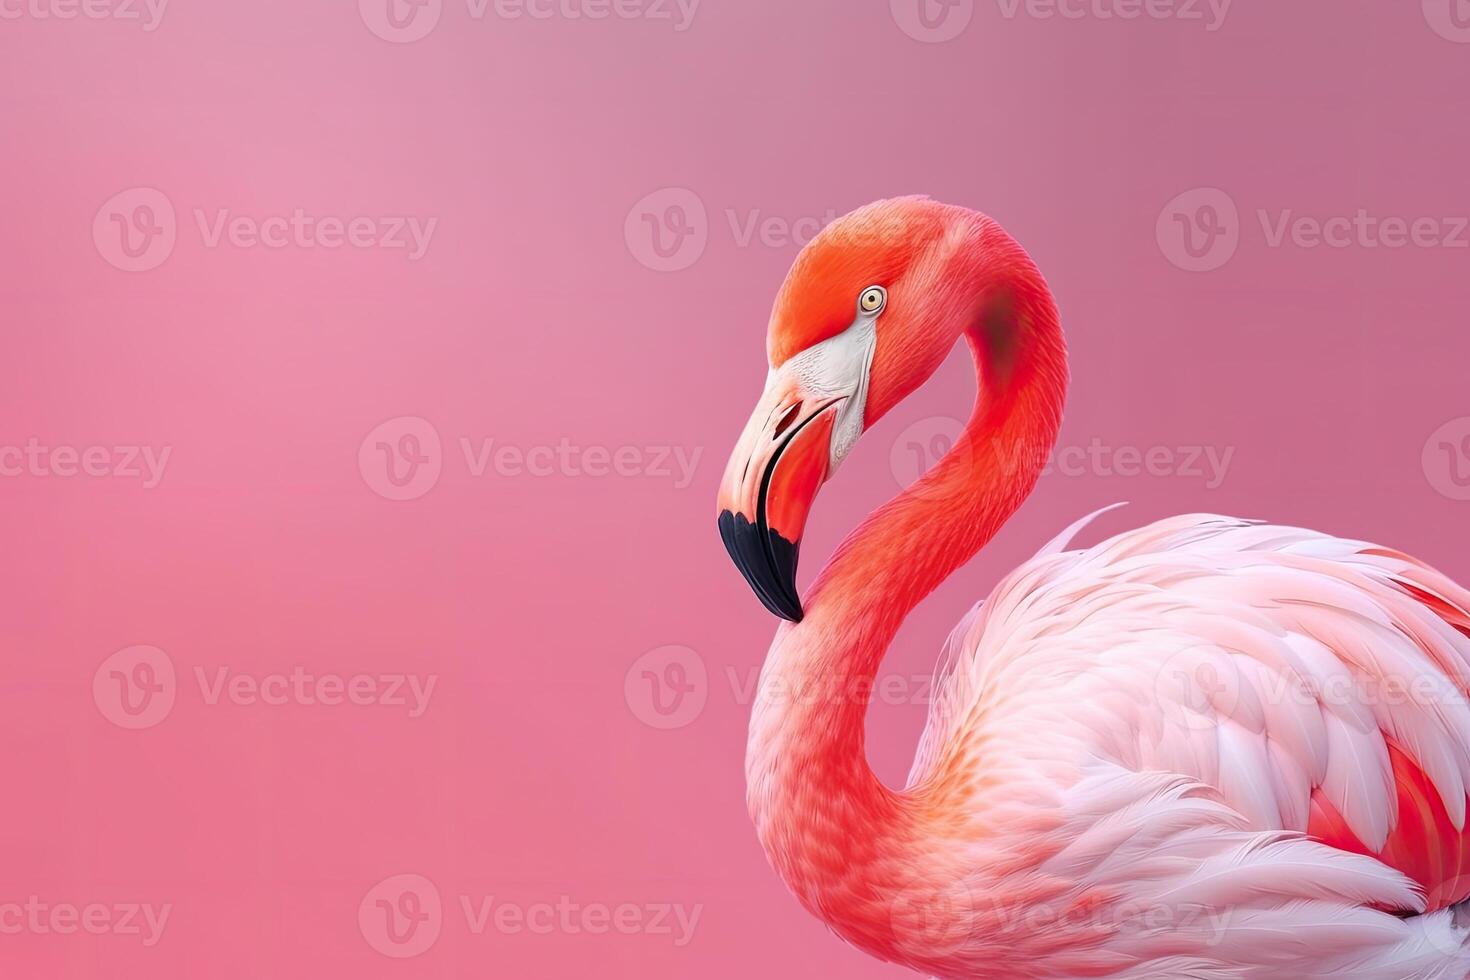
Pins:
<point x="1258" y="664"/>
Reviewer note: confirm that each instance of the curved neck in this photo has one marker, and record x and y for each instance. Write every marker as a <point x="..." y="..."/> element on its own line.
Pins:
<point x="810" y="789"/>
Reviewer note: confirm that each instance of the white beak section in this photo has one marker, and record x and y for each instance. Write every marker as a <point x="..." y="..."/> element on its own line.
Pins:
<point x="838" y="368"/>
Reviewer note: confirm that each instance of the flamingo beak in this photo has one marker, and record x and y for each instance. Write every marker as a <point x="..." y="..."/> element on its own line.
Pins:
<point x="782" y="459"/>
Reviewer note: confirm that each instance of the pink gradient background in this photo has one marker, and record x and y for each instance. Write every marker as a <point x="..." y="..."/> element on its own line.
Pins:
<point x="533" y="775"/>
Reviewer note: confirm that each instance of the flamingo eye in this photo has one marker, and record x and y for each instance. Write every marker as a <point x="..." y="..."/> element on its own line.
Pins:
<point x="873" y="299"/>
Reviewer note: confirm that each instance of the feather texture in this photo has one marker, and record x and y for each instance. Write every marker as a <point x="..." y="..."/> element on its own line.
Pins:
<point x="1241" y="717"/>
<point x="1208" y="748"/>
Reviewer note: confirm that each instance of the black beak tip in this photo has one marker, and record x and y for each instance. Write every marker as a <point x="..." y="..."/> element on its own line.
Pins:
<point x="768" y="562"/>
<point x="792" y="613"/>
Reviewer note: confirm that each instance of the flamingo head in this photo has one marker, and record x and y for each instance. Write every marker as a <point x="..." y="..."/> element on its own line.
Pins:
<point x="870" y="309"/>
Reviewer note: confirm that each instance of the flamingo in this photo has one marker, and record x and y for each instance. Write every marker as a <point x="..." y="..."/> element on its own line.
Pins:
<point x="1209" y="748"/>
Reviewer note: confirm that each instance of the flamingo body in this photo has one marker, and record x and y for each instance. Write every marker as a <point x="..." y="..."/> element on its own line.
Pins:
<point x="1312" y="703"/>
<point x="1208" y="749"/>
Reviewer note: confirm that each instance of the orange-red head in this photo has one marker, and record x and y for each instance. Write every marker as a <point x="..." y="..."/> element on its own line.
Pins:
<point x="869" y="310"/>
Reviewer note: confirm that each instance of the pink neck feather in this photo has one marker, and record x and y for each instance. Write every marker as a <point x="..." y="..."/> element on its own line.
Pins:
<point x="839" y="837"/>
